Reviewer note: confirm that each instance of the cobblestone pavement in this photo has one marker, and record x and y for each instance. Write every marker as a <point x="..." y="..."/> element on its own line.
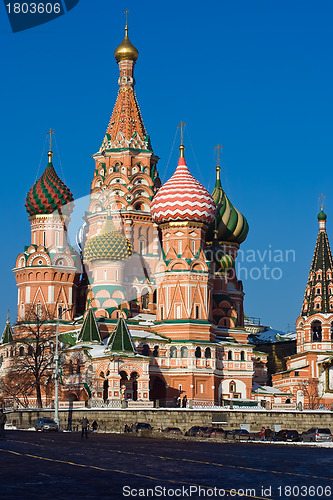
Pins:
<point x="111" y="466"/>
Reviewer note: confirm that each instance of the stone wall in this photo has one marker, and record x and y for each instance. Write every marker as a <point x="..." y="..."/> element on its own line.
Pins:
<point x="159" y="418"/>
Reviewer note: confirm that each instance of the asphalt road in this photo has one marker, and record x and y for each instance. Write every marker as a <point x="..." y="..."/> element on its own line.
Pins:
<point x="113" y="466"/>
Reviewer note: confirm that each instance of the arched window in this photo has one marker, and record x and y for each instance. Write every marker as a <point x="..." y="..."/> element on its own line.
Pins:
<point x="173" y="352"/>
<point x="197" y="312"/>
<point x="155" y="351"/>
<point x="21" y="351"/>
<point x="242" y="356"/>
<point x="101" y="374"/>
<point x="145" y="350"/>
<point x="229" y="355"/>
<point x="78" y="367"/>
<point x="30" y="350"/>
<point x="116" y="167"/>
<point x="184" y="352"/>
<point x="155" y="297"/>
<point x="70" y="367"/>
<point x="198" y="352"/>
<point x="232" y="386"/>
<point x="316" y="331"/>
<point x="208" y="353"/>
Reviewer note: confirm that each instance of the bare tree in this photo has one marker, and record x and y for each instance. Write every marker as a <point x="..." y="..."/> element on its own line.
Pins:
<point x="312" y="392"/>
<point x="31" y="370"/>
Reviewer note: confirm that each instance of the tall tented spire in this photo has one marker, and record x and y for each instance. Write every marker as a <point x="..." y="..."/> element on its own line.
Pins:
<point x="90" y="332"/>
<point x="126" y="128"/>
<point x="7" y="335"/>
<point x="121" y="340"/>
<point x="319" y="287"/>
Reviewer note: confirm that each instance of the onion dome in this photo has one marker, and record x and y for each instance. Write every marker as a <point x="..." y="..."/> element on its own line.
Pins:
<point x="322" y="215"/>
<point x="182" y="198"/>
<point x="126" y="51"/>
<point x="49" y="194"/>
<point x="214" y="252"/>
<point x="109" y="244"/>
<point x="230" y="224"/>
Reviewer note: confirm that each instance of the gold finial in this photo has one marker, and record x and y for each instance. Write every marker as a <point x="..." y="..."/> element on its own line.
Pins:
<point x="126" y="12"/>
<point x="218" y="168"/>
<point x="8" y="316"/>
<point x="181" y="147"/>
<point x="109" y="211"/>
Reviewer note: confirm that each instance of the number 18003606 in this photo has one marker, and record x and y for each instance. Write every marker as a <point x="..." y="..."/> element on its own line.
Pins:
<point x="33" y="8"/>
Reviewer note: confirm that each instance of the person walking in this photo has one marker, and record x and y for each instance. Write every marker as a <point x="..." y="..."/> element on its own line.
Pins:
<point x="184" y="401"/>
<point x="94" y="426"/>
<point x="84" y="425"/>
<point x="262" y="434"/>
<point x="3" y="419"/>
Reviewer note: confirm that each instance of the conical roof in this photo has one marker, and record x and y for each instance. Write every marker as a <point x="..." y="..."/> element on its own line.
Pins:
<point x="90" y="332"/>
<point x="182" y="198"/>
<point x="7" y="335"/>
<point x="320" y="282"/>
<point x="121" y="340"/>
<point x="230" y="224"/>
<point x="49" y="194"/>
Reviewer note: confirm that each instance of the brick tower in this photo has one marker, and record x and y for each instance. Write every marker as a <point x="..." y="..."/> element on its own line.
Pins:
<point x="126" y="179"/>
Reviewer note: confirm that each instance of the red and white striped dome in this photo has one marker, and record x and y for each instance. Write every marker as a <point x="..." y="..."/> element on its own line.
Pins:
<point x="182" y="198"/>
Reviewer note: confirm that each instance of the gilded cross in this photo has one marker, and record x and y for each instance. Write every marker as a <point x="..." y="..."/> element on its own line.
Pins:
<point x="218" y="147"/>
<point x="321" y="198"/>
<point x="181" y="125"/>
<point x="50" y="132"/>
<point x="126" y="12"/>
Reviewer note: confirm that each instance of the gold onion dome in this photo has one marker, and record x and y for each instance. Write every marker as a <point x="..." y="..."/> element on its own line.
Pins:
<point x="126" y="51"/>
<point x="109" y="244"/>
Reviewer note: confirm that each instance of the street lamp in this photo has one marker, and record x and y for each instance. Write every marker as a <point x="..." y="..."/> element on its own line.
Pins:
<point x="56" y="371"/>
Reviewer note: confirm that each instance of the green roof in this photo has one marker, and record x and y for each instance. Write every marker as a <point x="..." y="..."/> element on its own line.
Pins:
<point x="7" y="335"/>
<point x="121" y="340"/>
<point x="89" y="332"/>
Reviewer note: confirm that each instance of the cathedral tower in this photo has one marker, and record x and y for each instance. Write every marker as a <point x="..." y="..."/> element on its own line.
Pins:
<point x="126" y="179"/>
<point x="183" y="209"/>
<point x="48" y="269"/>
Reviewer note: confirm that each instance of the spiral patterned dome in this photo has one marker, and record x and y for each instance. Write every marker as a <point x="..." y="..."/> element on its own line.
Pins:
<point x="109" y="244"/>
<point x="230" y="224"/>
<point x="49" y="194"/>
<point x="182" y="198"/>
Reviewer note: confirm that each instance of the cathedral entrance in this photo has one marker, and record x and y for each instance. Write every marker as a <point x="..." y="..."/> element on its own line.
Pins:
<point x="157" y="389"/>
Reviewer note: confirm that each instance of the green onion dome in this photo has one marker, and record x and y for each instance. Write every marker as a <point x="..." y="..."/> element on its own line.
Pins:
<point x="322" y="215"/>
<point x="49" y="194"/>
<point x="214" y="252"/>
<point x="230" y="224"/>
<point x="109" y="244"/>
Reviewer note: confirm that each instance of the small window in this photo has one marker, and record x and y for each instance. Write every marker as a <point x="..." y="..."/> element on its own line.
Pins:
<point x="197" y="312"/>
<point x="155" y="351"/>
<point x="318" y="291"/>
<point x="184" y="352"/>
<point x="145" y="350"/>
<point x="208" y="353"/>
<point x="198" y="352"/>
<point x="232" y="387"/>
<point x="230" y="355"/>
<point x="161" y="313"/>
<point x="242" y="356"/>
<point x="296" y="374"/>
<point x="173" y="352"/>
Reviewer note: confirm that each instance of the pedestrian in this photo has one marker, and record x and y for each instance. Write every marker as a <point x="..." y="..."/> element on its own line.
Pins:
<point x="3" y="418"/>
<point x="94" y="426"/>
<point x="84" y="425"/>
<point x="268" y="434"/>
<point x="262" y="434"/>
<point x="184" y="401"/>
<point x="178" y="402"/>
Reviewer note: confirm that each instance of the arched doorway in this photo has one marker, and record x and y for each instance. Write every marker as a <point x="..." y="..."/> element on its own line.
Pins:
<point x="105" y="390"/>
<point x="157" y="389"/>
<point x="134" y="378"/>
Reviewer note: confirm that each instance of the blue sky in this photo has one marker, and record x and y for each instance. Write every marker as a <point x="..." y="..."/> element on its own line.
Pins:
<point x="255" y="76"/>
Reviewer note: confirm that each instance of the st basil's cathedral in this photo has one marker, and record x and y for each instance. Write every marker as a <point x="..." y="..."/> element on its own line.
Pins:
<point x="149" y="306"/>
